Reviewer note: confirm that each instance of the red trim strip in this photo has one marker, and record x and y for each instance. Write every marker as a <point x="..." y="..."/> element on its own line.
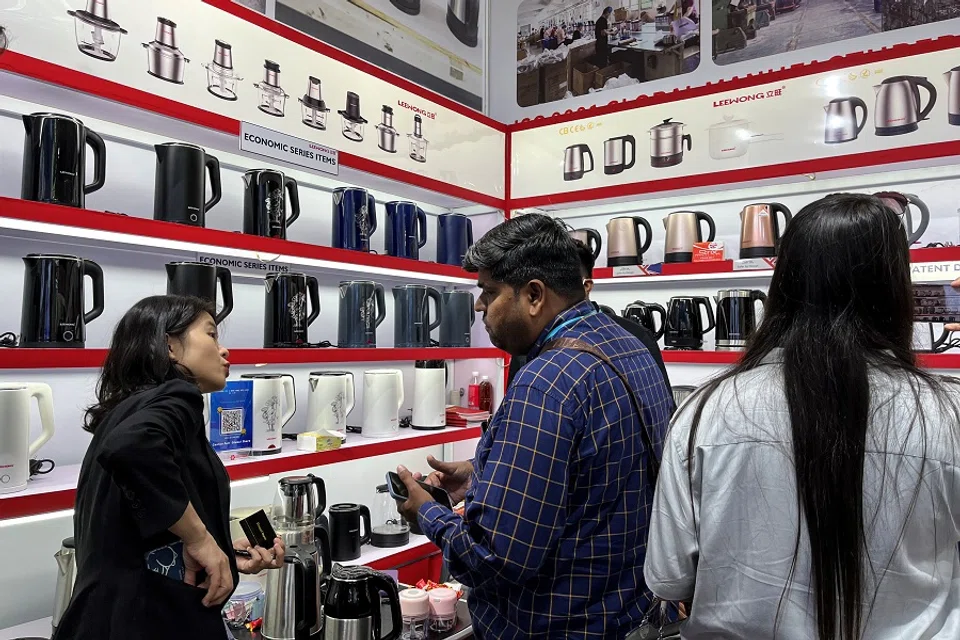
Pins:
<point x="289" y="33"/>
<point x="18" y="506"/>
<point x="93" y="358"/>
<point x="737" y="83"/>
<point x="408" y="556"/>
<point x="111" y="222"/>
<point x="750" y="174"/>
<point x="929" y="360"/>
<point x="85" y="83"/>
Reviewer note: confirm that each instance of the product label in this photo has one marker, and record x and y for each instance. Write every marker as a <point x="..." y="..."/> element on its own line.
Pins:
<point x="231" y="417"/>
<point x="244" y="266"/>
<point x="636" y="270"/>
<point x="708" y="251"/>
<point x="754" y="264"/>
<point x="296" y="151"/>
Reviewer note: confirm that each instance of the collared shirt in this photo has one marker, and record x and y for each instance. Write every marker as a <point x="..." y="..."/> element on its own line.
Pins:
<point x="553" y="536"/>
<point x="728" y="538"/>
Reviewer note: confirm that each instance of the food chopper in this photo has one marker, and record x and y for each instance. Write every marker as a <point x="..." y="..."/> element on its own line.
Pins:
<point x="221" y="81"/>
<point x="97" y="35"/>
<point x="272" y="97"/>
<point x="388" y="135"/>
<point x="418" y="144"/>
<point x="352" y="120"/>
<point x="164" y="59"/>
<point x="314" y="108"/>
<point x="388" y="528"/>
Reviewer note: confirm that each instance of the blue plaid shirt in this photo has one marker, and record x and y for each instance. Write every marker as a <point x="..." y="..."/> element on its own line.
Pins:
<point x="553" y="537"/>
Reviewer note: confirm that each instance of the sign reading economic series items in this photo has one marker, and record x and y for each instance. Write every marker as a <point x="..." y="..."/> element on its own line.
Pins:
<point x="295" y="151"/>
<point x="244" y="266"/>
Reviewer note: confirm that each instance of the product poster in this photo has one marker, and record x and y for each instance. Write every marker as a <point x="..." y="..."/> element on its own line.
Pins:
<point x="568" y="48"/>
<point x="860" y="114"/>
<point x="198" y="53"/>
<point x="231" y="417"/>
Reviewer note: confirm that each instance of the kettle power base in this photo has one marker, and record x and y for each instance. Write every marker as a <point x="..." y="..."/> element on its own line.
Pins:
<point x="897" y="131"/>
<point x="420" y="428"/>
<point x="462" y="33"/>
<point x="662" y="162"/>
<point x="954" y="119"/>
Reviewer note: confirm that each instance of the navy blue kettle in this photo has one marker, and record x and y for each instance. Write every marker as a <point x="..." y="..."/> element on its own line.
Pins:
<point x="454" y="237"/>
<point x="406" y="229"/>
<point x="354" y="218"/>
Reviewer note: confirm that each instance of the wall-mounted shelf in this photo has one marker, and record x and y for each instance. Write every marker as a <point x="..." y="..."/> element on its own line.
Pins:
<point x="114" y="228"/>
<point x="57" y="490"/>
<point x="93" y="358"/>
<point x="942" y="361"/>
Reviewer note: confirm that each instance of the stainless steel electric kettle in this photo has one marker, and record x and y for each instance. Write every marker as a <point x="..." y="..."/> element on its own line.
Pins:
<point x="760" y="230"/>
<point x="573" y="165"/>
<point x="66" y="577"/>
<point x="841" y="123"/>
<point x="624" y="245"/>
<point x="683" y="230"/>
<point x="953" y="95"/>
<point x="899" y="108"/>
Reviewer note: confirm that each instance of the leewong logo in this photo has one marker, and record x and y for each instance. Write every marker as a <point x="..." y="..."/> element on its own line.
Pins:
<point x="750" y="97"/>
<point x="403" y="104"/>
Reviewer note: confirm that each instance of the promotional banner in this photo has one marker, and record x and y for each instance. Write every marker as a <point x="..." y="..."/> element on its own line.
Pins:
<point x="201" y="55"/>
<point x="876" y="113"/>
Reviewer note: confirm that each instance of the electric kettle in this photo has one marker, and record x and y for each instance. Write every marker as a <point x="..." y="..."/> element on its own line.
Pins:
<point x="953" y="95"/>
<point x="624" y="245"/>
<point x="274" y="403"/>
<point x="54" y="160"/>
<point x="330" y="398"/>
<point x="382" y="399"/>
<point x="736" y="317"/>
<point x="463" y="20"/>
<point x="52" y="314"/>
<point x="899" y="108"/>
<point x="683" y="230"/>
<point x="900" y="203"/>
<point x="66" y="577"/>
<point x="352" y="607"/>
<point x="589" y="237"/>
<point x="616" y="159"/>
<point x="573" y="165"/>
<point x="841" y="123"/>
<point x="642" y="313"/>
<point x="760" y="230"/>
<point x="684" y="327"/>
<point x="16" y="449"/>
<point x="429" y="395"/>
<point x="301" y="601"/>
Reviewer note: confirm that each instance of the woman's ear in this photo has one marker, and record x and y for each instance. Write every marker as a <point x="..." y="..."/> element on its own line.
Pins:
<point x="173" y="348"/>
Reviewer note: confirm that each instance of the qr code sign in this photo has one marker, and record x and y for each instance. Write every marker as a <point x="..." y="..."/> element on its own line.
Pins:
<point x="231" y="421"/>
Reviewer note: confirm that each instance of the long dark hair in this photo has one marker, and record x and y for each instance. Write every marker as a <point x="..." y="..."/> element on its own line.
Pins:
<point x="139" y="356"/>
<point x="840" y="304"/>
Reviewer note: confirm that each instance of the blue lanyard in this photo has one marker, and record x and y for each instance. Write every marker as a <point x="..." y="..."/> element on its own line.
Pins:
<point x="565" y="323"/>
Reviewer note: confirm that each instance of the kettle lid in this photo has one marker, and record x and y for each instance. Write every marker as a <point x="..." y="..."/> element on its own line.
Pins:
<point x="431" y="364"/>
<point x="68" y="543"/>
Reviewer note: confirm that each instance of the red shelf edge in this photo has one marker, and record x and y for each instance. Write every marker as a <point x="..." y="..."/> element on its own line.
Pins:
<point x="405" y="557"/>
<point x="60" y="500"/>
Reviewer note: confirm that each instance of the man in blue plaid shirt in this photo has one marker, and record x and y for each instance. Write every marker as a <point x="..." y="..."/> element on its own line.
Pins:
<point x="558" y="496"/>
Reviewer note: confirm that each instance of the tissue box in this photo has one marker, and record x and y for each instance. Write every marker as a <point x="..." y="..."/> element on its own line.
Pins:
<point x="315" y="441"/>
<point x="708" y="251"/>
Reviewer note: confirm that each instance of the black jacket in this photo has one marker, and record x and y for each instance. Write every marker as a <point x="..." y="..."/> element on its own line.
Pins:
<point x="642" y="334"/>
<point x="147" y="459"/>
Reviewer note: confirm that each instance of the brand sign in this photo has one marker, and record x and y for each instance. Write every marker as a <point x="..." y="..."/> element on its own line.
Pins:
<point x="296" y="151"/>
<point x="935" y="271"/>
<point x="244" y="266"/>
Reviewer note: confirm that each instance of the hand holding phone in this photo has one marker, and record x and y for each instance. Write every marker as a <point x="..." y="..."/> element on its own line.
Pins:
<point x="399" y="492"/>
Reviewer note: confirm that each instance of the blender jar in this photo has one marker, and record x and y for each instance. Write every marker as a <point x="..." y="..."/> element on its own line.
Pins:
<point x="221" y="83"/>
<point x="415" y="612"/>
<point x="388" y="528"/>
<point x="98" y="39"/>
<point x="272" y="100"/>
<point x="314" y="109"/>
<point x="443" y="609"/>
<point x="418" y="144"/>
<point x="352" y="130"/>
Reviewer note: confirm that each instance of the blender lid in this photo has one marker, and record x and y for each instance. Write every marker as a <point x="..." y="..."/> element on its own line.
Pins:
<point x="96" y="15"/>
<point x="271" y="74"/>
<point x="222" y="55"/>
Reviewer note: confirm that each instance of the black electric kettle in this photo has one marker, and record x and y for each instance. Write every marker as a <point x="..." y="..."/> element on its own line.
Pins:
<point x="684" y="326"/>
<point x="54" y="159"/>
<point x="351" y="609"/>
<point x="305" y="590"/>
<point x="642" y="313"/>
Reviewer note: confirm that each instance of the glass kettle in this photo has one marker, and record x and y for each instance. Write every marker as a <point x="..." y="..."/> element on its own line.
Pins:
<point x="389" y="528"/>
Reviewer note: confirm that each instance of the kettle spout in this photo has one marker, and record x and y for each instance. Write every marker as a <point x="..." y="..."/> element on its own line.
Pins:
<point x="877" y="88"/>
<point x="826" y="108"/>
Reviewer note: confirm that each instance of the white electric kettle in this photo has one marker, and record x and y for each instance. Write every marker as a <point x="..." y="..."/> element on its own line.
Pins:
<point x="330" y="399"/>
<point x="15" y="446"/>
<point x="382" y="399"/>
<point x="274" y="403"/>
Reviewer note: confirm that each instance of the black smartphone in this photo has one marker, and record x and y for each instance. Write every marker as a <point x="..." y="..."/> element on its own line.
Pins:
<point x="935" y="303"/>
<point x="398" y="490"/>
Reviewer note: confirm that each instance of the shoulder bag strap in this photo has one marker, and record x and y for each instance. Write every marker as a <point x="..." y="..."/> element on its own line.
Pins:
<point x="580" y="345"/>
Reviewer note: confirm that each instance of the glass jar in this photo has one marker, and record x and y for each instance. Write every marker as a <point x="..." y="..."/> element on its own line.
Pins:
<point x="418" y="148"/>
<point x="221" y="82"/>
<point x="273" y="100"/>
<point x="353" y="129"/>
<point x="388" y="528"/>
<point x="415" y="611"/>
<point x="97" y="37"/>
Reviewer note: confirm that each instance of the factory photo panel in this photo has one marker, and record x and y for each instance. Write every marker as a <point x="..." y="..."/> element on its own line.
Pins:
<point x="750" y="29"/>
<point x="568" y="48"/>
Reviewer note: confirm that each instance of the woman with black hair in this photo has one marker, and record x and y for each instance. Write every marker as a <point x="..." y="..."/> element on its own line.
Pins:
<point x="151" y="529"/>
<point x="812" y="491"/>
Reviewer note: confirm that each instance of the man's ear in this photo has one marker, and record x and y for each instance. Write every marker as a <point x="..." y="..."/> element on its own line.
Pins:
<point x="535" y="294"/>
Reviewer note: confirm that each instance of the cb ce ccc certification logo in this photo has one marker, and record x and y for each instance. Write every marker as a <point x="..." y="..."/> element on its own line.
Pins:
<point x="579" y="128"/>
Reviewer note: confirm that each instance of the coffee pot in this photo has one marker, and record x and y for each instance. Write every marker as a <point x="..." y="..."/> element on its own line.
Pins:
<point x="16" y="449"/>
<point x="406" y="230"/>
<point x="683" y="231"/>
<point x="297" y="506"/>
<point x="354" y="218"/>
<point x="411" y="315"/>
<point x="285" y="318"/>
<point x="760" y="230"/>
<point x="684" y="327"/>
<point x="624" y="245"/>
<point x="200" y="280"/>
<point x="454" y="237"/>
<point x="352" y="609"/>
<point x="388" y="528"/>
<point x="841" y="122"/>
<point x="459" y="315"/>
<point x="52" y="314"/>
<point x="274" y="403"/>
<point x="264" y="204"/>
<point x="330" y="399"/>
<point x="736" y="317"/>
<point x="66" y="578"/>
<point x="589" y="237"/>
<point x="642" y="313"/>
<point x="362" y="309"/>
<point x="54" y="160"/>
<point x="382" y="399"/>
<point x="899" y="109"/>
<point x="350" y="527"/>
<point x="180" y="184"/>
<point x="429" y="395"/>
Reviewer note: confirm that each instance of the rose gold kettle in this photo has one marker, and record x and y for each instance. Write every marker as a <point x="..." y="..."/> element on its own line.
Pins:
<point x="760" y="230"/>
<point x="683" y="230"/>
<point x="624" y="245"/>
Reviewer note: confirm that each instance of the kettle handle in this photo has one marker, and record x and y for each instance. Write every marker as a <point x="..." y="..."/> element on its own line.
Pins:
<point x="628" y="139"/>
<point x="381" y="304"/>
<point x="213" y="168"/>
<point x="422" y="228"/>
<point x="688" y="139"/>
<point x="371" y="214"/>
<point x="400" y="396"/>
<point x="290" y="399"/>
<point x="226" y="292"/>
<point x="92" y="269"/>
<point x="654" y="306"/>
<point x="932" y="90"/>
<point x="469" y="232"/>
<point x="711" y="323"/>
<point x="857" y="102"/>
<point x="313" y="287"/>
<point x="585" y="149"/>
<point x="319" y="484"/>
<point x="365" y="523"/>
<point x="924" y="217"/>
<point x="712" y="232"/>
<point x="44" y="396"/>
<point x="351" y="398"/>
<point x="775" y="208"/>
<point x="642" y="247"/>
<point x="93" y="139"/>
<point x="593" y="238"/>
<point x="473" y="309"/>
<point x="438" y="307"/>
<point x="380" y="583"/>
<point x="305" y="590"/>
<point x="294" y="194"/>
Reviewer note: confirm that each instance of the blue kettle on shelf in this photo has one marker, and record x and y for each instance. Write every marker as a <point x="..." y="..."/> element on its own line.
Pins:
<point x="406" y="229"/>
<point x="454" y="237"/>
<point x="354" y="218"/>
